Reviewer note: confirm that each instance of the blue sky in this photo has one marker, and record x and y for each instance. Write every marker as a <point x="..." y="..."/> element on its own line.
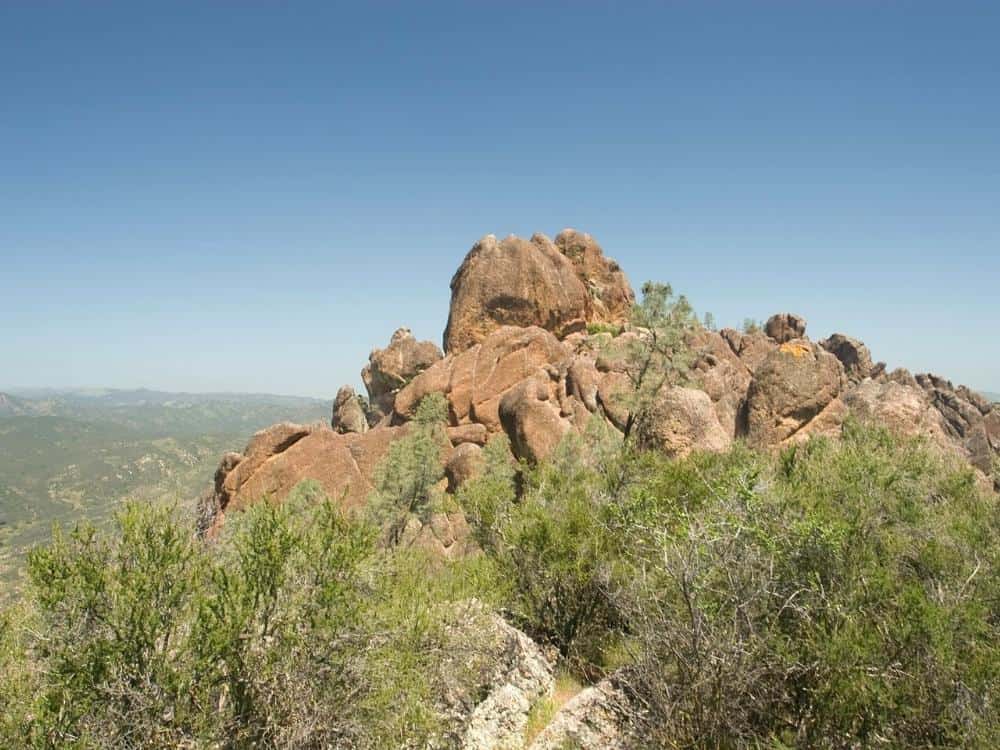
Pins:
<point x="238" y="196"/>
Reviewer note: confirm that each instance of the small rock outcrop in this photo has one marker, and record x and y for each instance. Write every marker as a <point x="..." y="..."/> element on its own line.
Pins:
<point x="853" y="355"/>
<point x="520" y="678"/>
<point x="348" y="416"/>
<point x="392" y="368"/>
<point x="599" y="717"/>
<point x="785" y="327"/>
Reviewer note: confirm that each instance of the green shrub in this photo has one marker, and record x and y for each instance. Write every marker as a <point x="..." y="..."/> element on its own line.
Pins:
<point x="406" y="479"/>
<point x="291" y="630"/>
<point x="844" y="595"/>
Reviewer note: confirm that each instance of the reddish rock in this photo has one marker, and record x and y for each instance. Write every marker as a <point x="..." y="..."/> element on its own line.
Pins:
<point x="514" y="282"/>
<point x="611" y="296"/>
<point x="531" y="420"/>
<point x="789" y="388"/>
<point x="681" y="420"/>
<point x="785" y="327"/>
<point x="391" y="368"/>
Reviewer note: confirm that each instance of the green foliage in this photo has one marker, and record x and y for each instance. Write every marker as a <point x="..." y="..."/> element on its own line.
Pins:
<point x="658" y="355"/>
<point x="595" y="328"/>
<point x="291" y="630"/>
<point x="841" y="594"/>
<point x="553" y="546"/>
<point x="407" y="478"/>
<point x="750" y="325"/>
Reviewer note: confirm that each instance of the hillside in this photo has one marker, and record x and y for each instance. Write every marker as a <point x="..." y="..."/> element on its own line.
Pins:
<point x="70" y="455"/>
<point x="587" y="520"/>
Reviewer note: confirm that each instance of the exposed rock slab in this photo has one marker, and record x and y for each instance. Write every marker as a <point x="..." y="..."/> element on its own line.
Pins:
<point x="682" y="420"/>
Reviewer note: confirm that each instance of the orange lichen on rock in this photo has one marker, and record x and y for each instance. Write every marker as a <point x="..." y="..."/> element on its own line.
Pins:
<point x="795" y="348"/>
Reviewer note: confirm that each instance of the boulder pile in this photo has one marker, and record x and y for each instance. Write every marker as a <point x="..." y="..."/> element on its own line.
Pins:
<point x="529" y="352"/>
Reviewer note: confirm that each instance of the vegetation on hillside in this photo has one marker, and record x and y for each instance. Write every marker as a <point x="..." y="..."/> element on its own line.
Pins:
<point x="840" y="594"/>
<point x="69" y="456"/>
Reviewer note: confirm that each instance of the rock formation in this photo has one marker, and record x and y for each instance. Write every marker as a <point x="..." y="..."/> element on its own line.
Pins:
<point x="558" y="286"/>
<point x="520" y="361"/>
<point x="392" y="368"/>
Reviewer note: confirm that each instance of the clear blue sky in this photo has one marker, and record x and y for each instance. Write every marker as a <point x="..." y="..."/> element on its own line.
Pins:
<point x="238" y="196"/>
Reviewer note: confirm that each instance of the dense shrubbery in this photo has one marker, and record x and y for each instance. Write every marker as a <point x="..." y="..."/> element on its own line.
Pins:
<point x="839" y="594"/>
<point x="842" y="594"/>
<point x="293" y="630"/>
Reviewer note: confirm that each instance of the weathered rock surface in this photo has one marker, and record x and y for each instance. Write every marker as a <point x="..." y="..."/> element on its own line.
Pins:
<point x="476" y="379"/>
<point x="465" y="463"/>
<point x="520" y="678"/>
<point x="559" y="286"/>
<point x="611" y="296"/>
<point x="785" y="327"/>
<point x="682" y="420"/>
<point x="597" y="718"/>
<point x="391" y="368"/>
<point x="853" y="355"/>
<point x="719" y="371"/>
<point x="514" y="282"/>
<point x="791" y="386"/>
<point x="348" y="416"/>
<point x="280" y="457"/>
<point x="531" y="420"/>
<point x="445" y="535"/>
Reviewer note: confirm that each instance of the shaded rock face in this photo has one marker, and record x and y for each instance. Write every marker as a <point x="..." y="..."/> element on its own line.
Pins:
<point x="391" y="368"/>
<point x="853" y="355"/>
<point x="531" y="420"/>
<point x="348" y="416"/>
<point x="785" y="327"/>
<point x="794" y="384"/>
<point x="557" y="286"/>
<point x="968" y="418"/>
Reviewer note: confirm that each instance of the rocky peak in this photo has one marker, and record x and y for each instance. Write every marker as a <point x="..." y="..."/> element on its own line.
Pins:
<point x="559" y="286"/>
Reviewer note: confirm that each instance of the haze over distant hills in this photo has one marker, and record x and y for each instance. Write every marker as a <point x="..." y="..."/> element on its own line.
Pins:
<point x="69" y="454"/>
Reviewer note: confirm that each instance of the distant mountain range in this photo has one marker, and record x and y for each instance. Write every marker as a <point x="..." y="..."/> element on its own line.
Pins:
<point x="68" y="455"/>
<point x="992" y="396"/>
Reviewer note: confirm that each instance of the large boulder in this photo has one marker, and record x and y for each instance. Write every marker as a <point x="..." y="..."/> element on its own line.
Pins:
<point x="853" y="355"/>
<point x="466" y="462"/>
<point x="559" y="286"/>
<point x="531" y="419"/>
<point x="280" y="457"/>
<point x="391" y="368"/>
<point x="514" y="282"/>
<point x="785" y="327"/>
<point x="719" y="371"/>
<point x="794" y="384"/>
<point x="679" y="421"/>
<point x="611" y="296"/>
<point x="348" y="416"/>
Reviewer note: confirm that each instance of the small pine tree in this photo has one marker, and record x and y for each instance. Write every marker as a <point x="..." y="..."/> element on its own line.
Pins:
<point x="406" y="479"/>
<point x="659" y="354"/>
